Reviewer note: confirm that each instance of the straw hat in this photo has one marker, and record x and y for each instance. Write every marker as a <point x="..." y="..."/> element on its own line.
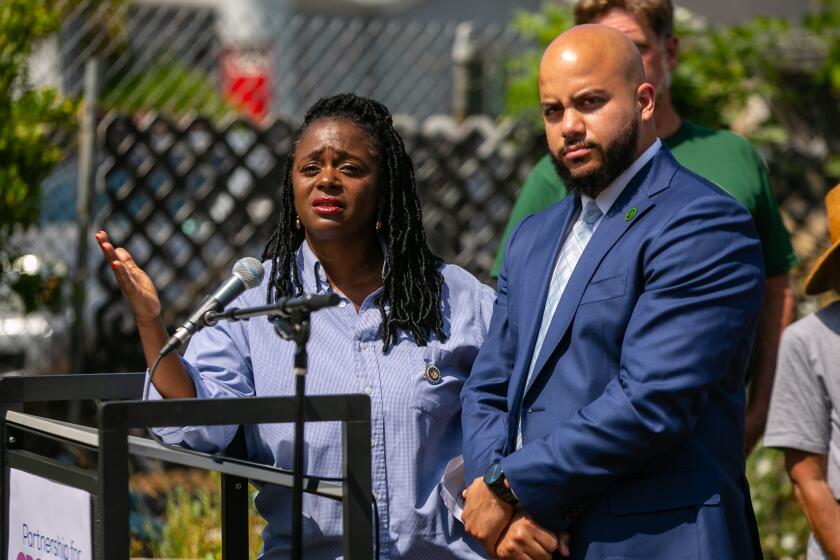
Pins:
<point x="825" y="274"/>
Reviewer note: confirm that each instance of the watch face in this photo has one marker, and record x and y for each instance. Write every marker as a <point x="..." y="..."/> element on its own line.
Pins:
<point x="492" y="474"/>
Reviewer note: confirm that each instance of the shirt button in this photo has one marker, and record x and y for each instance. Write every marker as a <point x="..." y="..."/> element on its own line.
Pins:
<point x="368" y="390"/>
<point x="361" y="346"/>
<point x="342" y="303"/>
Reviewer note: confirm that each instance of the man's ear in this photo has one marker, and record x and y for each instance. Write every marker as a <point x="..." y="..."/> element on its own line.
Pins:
<point x="646" y="100"/>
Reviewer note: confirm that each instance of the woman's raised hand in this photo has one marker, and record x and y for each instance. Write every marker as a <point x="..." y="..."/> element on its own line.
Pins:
<point x="171" y="379"/>
<point x="132" y="280"/>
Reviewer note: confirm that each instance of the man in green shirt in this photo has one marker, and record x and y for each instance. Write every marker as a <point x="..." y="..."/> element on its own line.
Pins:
<point x="718" y="155"/>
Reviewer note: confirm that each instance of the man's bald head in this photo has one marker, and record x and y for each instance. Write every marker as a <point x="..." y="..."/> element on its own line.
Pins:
<point x="597" y="106"/>
<point x="593" y="44"/>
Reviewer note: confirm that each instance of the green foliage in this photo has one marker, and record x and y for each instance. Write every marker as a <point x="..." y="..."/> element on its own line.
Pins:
<point x="27" y="116"/>
<point x="825" y="22"/>
<point x="166" y="86"/>
<point x="522" y="97"/>
<point x="191" y="521"/>
<point x="192" y="528"/>
<point x="720" y="68"/>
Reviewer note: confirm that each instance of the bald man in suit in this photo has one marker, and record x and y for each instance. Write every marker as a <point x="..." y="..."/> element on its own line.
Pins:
<point x="607" y="402"/>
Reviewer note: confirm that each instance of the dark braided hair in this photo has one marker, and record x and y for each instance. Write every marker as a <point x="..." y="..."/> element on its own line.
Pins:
<point x="412" y="280"/>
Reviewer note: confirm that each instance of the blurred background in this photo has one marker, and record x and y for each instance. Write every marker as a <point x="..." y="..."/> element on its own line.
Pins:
<point x="167" y="123"/>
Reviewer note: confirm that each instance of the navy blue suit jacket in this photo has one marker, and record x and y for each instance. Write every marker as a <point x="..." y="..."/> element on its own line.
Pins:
<point x="632" y="422"/>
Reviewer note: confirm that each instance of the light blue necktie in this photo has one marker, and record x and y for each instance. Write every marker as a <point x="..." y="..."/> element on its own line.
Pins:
<point x="569" y="256"/>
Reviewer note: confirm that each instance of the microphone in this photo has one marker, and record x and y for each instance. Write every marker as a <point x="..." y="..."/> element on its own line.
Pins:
<point x="247" y="273"/>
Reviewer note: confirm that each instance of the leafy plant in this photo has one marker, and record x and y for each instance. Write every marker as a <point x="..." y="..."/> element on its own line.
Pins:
<point x="722" y="70"/>
<point x="190" y="523"/>
<point x="27" y="115"/>
<point x="166" y="86"/>
<point x="522" y="97"/>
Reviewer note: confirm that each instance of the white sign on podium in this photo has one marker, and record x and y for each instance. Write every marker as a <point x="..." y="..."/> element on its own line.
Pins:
<point x="47" y="520"/>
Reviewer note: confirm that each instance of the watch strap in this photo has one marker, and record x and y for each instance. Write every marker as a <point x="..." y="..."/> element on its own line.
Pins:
<point x="505" y="493"/>
<point x="498" y="485"/>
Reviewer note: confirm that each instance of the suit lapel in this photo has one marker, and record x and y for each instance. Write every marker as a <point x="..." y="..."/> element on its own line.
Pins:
<point x="540" y="263"/>
<point x="609" y="231"/>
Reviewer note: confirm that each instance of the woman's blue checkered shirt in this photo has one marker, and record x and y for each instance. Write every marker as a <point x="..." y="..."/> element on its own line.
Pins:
<point x="416" y="424"/>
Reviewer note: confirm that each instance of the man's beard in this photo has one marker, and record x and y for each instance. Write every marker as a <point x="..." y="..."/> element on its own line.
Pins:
<point x="616" y="158"/>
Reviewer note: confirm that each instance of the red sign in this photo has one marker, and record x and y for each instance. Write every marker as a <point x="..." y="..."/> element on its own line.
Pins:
<point x="246" y="80"/>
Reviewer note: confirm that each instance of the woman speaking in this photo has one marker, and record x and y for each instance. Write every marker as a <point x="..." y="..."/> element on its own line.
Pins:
<point x="406" y="332"/>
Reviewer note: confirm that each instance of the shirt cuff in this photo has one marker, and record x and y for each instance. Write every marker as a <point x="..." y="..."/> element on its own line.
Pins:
<point x="173" y="434"/>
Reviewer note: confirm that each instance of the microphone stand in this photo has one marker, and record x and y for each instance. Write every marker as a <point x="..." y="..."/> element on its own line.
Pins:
<point x="295" y="327"/>
<point x="290" y="318"/>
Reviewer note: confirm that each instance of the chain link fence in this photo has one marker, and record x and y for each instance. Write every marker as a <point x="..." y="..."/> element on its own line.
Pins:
<point x="179" y="59"/>
<point x="174" y="75"/>
<point x="164" y="64"/>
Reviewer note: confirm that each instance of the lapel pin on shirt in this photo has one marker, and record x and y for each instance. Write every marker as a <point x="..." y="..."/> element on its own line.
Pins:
<point x="630" y="214"/>
<point x="432" y="374"/>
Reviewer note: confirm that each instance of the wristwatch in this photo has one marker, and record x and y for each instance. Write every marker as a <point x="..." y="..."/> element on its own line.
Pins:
<point x="494" y="477"/>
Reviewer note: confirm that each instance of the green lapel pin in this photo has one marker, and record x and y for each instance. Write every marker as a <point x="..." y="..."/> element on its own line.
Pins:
<point x="630" y="214"/>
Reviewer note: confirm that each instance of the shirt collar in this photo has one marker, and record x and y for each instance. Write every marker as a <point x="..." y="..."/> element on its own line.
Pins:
<point x="314" y="277"/>
<point x="607" y="197"/>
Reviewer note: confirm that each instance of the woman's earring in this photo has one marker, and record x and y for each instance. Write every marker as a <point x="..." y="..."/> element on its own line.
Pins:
<point x="297" y="222"/>
<point x="379" y="221"/>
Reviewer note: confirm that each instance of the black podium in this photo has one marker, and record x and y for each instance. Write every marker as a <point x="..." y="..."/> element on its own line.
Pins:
<point x="108" y="483"/>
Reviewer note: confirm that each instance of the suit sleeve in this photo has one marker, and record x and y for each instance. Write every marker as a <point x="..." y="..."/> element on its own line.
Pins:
<point x="689" y="332"/>
<point x="484" y="410"/>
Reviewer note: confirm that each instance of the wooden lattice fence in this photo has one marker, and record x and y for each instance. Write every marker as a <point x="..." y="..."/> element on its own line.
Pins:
<point x="188" y="198"/>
